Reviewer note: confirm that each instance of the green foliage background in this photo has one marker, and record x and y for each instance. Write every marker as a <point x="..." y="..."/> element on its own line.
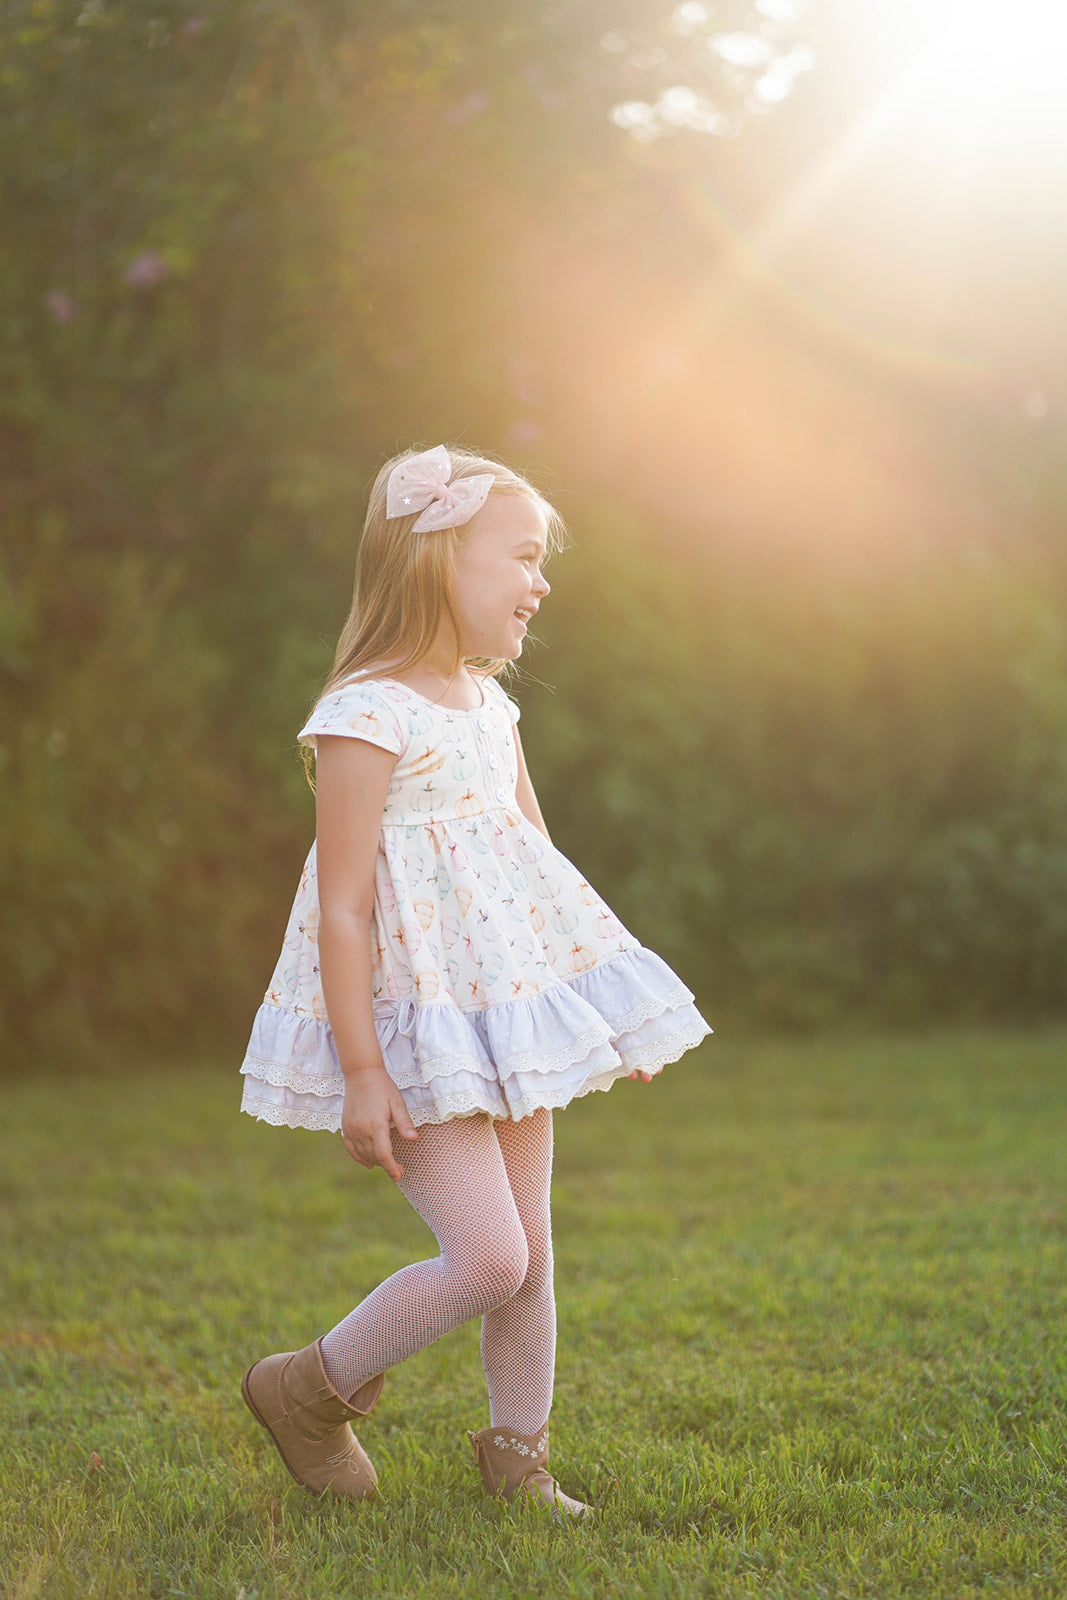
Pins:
<point x="248" y="249"/>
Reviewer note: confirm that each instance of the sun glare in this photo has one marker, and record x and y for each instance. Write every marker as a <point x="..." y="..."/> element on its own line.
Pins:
<point x="985" y="64"/>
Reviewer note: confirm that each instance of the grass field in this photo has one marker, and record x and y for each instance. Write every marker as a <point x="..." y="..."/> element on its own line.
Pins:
<point x="811" y="1339"/>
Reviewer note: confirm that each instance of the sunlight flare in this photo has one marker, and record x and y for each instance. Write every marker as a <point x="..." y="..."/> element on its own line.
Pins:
<point x="981" y="65"/>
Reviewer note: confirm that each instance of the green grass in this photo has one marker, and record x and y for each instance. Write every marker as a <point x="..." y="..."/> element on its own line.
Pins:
<point x="811" y="1314"/>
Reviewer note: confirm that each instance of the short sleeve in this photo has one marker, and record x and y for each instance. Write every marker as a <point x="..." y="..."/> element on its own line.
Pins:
<point x="502" y="699"/>
<point x="357" y="711"/>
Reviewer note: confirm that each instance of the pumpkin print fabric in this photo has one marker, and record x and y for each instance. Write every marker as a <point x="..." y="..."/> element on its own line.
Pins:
<point x="501" y="980"/>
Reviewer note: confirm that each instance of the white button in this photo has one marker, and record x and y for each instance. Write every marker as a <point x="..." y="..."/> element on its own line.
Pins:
<point x="483" y="724"/>
<point x="491" y="762"/>
<point x="502" y="795"/>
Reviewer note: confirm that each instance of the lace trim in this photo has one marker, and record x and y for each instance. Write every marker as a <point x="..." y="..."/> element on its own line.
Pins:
<point x="657" y="1006"/>
<point x="652" y="1057"/>
<point x="285" y="1075"/>
<point x="291" y="1116"/>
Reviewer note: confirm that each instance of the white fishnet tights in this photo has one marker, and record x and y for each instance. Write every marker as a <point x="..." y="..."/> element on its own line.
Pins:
<point x="482" y="1186"/>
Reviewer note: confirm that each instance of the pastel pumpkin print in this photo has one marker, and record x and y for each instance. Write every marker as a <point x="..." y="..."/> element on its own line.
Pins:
<point x="425" y="911"/>
<point x="427" y="982"/>
<point x="514" y="908"/>
<point x="523" y="948"/>
<point x="429" y="761"/>
<point x="365" y="725"/>
<point x="491" y="965"/>
<point x="581" y="958"/>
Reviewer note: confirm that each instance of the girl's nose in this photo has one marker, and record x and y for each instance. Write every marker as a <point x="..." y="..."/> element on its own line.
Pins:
<point x="542" y="585"/>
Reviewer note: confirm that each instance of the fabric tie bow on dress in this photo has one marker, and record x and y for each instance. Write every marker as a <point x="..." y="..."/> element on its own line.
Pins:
<point x="420" y="483"/>
<point x="394" y="1019"/>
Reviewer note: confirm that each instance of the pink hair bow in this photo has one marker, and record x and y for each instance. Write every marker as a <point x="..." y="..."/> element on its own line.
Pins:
<point x="420" y="483"/>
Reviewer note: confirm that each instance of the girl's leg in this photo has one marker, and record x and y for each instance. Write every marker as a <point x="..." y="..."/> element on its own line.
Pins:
<point x="456" y="1179"/>
<point x="519" y="1336"/>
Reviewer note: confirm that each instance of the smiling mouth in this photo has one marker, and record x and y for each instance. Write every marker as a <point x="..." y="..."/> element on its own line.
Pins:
<point x="524" y="614"/>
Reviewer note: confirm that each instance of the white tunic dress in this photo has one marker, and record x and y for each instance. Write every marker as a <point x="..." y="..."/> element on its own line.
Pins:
<point x="501" y="980"/>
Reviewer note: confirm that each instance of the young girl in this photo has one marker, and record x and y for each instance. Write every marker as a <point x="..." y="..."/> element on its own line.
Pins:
<point x="448" y="978"/>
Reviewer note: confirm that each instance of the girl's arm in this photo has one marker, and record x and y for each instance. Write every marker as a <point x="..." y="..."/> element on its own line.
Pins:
<point x="524" y="791"/>
<point x="351" y="784"/>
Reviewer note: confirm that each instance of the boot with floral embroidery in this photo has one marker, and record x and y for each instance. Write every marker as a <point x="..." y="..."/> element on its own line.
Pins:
<point x="516" y="1463"/>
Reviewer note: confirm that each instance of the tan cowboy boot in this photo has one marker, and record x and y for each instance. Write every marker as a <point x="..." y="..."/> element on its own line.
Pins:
<point x="294" y="1400"/>
<point x="516" y="1463"/>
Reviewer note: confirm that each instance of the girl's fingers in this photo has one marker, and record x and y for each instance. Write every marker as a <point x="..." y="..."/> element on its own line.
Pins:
<point x="384" y="1158"/>
<point x="403" y="1123"/>
<point x="374" y="1148"/>
<point x="361" y="1152"/>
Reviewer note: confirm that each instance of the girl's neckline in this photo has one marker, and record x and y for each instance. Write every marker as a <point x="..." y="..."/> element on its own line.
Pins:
<point x="455" y="711"/>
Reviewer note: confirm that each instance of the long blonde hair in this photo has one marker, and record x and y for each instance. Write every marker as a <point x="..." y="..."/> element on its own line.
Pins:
<point x="403" y="589"/>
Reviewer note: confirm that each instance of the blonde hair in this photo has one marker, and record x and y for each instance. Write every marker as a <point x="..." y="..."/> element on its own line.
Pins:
<point x="403" y="588"/>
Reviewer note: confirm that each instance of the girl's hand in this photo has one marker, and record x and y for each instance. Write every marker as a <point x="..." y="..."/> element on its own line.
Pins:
<point x="373" y="1104"/>
<point x="646" y="1077"/>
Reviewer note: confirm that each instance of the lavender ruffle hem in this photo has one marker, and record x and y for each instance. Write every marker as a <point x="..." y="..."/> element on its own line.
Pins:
<point x="629" y="1014"/>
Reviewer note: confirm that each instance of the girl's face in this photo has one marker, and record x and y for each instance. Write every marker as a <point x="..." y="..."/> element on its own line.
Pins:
<point x="498" y="581"/>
